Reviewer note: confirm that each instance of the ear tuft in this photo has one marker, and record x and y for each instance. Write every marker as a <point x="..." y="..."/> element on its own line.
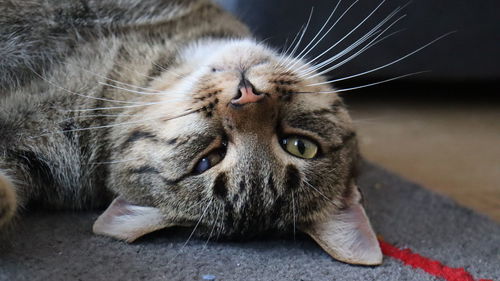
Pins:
<point x="348" y="236"/>
<point x="128" y="222"/>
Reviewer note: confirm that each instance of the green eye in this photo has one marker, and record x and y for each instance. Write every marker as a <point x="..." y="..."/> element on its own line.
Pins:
<point x="300" y="147"/>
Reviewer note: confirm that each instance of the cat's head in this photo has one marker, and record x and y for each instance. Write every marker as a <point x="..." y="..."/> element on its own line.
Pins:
<point x="238" y="140"/>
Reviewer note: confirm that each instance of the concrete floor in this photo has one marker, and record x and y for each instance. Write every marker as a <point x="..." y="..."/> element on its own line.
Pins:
<point x="451" y="146"/>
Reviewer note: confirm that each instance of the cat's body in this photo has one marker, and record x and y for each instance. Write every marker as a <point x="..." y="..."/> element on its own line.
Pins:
<point x="175" y="109"/>
<point x="32" y="114"/>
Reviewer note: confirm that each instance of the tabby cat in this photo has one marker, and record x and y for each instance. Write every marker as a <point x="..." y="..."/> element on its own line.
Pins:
<point x="170" y="113"/>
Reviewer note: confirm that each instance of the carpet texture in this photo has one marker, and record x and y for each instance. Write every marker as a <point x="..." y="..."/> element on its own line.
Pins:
<point x="61" y="246"/>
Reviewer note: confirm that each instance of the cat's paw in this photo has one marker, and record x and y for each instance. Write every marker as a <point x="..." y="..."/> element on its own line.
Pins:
<point x="7" y="200"/>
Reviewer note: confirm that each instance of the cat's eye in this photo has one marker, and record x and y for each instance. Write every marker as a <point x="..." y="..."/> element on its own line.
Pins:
<point x="300" y="147"/>
<point x="209" y="160"/>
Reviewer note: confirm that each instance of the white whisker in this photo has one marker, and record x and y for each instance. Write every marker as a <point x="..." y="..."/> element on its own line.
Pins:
<point x="95" y="116"/>
<point x="307" y="74"/>
<point x="300" y="39"/>
<point x="192" y="233"/>
<point x="138" y="73"/>
<point x="294" y="215"/>
<point x="213" y="227"/>
<point x="320" y="193"/>
<point x="370" y="44"/>
<point x="285" y="53"/>
<point x="388" y="64"/>
<point x="197" y="224"/>
<point x="373" y="32"/>
<point x="384" y="81"/>
<point x="121" y="107"/>
<point x="347" y="35"/>
<point x="129" y="90"/>
<point x="302" y="55"/>
<point x="116" y="81"/>
<point x="81" y="95"/>
<point x="364" y="86"/>
<point x="118" y="124"/>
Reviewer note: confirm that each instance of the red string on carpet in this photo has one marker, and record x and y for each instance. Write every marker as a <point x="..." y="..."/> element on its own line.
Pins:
<point x="430" y="266"/>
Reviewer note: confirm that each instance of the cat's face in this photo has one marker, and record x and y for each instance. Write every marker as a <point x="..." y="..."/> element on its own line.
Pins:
<point x="260" y="149"/>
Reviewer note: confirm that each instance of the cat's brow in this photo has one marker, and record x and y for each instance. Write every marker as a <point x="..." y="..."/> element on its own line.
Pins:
<point x="316" y="124"/>
<point x="189" y="147"/>
<point x="137" y="135"/>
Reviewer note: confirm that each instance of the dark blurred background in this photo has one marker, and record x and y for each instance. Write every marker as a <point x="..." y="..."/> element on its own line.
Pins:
<point x="440" y="128"/>
<point x="472" y="53"/>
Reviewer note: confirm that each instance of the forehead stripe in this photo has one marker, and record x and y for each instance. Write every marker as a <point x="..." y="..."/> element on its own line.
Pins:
<point x="137" y="135"/>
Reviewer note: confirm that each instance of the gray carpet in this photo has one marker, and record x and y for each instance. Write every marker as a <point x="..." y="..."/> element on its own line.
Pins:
<point x="60" y="246"/>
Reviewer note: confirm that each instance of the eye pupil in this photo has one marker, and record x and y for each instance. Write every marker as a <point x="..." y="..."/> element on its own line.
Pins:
<point x="301" y="147"/>
<point x="210" y="160"/>
<point x="203" y="165"/>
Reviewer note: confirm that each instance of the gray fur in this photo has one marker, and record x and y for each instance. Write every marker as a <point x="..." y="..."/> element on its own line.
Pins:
<point x="60" y="152"/>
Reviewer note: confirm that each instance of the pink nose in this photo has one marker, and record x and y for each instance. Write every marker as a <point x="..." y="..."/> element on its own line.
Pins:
<point x="247" y="96"/>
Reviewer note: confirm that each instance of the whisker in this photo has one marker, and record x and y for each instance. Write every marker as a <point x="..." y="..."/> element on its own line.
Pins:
<point x="120" y="107"/>
<point x="221" y="225"/>
<point x="116" y="81"/>
<point x="301" y="55"/>
<point x="194" y="206"/>
<point x="213" y="227"/>
<point x="170" y="70"/>
<point x="95" y="116"/>
<point x="139" y="73"/>
<point x="192" y="233"/>
<point x="118" y="124"/>
<point x="308" y="73"/>
<point x="301" y="37"/>
<point x="320" y="193"/>
<point x="78" y="94"/>
<point x="285" y="53"/>
<point x="363" y="86"/>
<point x="388" y="64"/>
<point x="197" y="224"/>
<point x="159" y="66"/>
<point x="384" y="81"/>
<point x="368" y="35"/>
<point x="348" y="34"/>
<point x="129" y="90"/>
<point x="370" y="44"/>
<point x="294" y="215"/>
<point x="326" y="33"/>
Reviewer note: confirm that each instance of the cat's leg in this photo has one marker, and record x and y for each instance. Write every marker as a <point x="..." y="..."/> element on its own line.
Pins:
<point x="42" y="167"/>
<point x="17" y="186"/>
<point x="8" y="200"/>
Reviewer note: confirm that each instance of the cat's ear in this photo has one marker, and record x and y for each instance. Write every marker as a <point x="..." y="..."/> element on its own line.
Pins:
<point x="347" y="235"/>
<point x="128" y="222"/>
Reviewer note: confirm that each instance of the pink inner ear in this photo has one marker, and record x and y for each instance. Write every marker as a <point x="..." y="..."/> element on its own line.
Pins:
<point x="120" y="208"/>
<point x="360" y="220"/>
<point x="348" y="236"/>
<point x="128" y="222"/>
